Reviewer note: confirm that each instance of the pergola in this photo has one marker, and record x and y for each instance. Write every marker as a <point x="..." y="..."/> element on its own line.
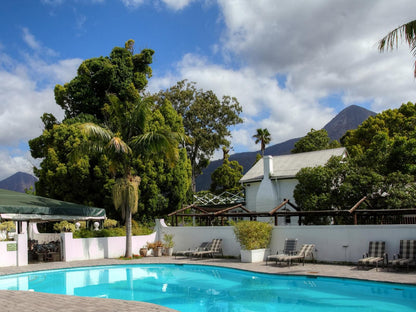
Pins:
<point x="353" y="215"/>
<point x="223" y="212"/>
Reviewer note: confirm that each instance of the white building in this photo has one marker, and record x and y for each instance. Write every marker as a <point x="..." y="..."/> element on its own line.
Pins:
<point x="273" y="179"/>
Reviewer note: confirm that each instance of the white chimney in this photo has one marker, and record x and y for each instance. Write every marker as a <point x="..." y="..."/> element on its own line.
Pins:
<point x="266" y="198"/>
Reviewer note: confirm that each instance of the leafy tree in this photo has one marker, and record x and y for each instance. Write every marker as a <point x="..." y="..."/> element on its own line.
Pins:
<point x="381" y="165"/>
<point x="206" y="120"/>
<point x="163" y="187"/>
<point x="142" y="142"/>
<point x="227" y="176"/>
<point x="122" y="73"/>
<point x="263" y="137"/>
<point x="315" y="140"/>
<point x="84" y="181"/>
<point x="391" y="40"/>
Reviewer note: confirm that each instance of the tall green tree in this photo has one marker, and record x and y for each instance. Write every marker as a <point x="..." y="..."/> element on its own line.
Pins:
<point x="206" y="120"/>
<point x="391" y="40"/>
<point x="163" y="188"/>
<point x="315" y="140"/>
<point x="227" y="176"/>
<point x="263" y="137"/>
<point x="141" y="142"/>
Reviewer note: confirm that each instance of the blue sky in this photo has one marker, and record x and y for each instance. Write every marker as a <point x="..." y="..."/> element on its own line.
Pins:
<point x="293" y="65"/>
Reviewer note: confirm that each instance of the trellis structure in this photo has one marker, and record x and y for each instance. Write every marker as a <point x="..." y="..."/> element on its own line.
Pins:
<point x="352" y="216"/>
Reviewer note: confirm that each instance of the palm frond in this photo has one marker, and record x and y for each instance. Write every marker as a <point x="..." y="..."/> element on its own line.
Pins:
<point x="391" y="40"/>
<point x="118" y="146"/>
<point x="95" y="132"/>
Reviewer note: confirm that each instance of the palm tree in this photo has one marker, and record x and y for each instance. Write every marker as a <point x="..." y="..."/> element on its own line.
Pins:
<point x="391" y="40"/>
<point x="262" y="136"/>
<point x="121" y="154"/>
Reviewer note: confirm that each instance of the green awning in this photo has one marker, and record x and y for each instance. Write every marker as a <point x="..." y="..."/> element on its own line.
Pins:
<point x="25" y="207"/>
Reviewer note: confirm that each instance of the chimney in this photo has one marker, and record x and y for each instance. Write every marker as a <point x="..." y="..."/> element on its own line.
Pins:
<point x="266" y="198"/>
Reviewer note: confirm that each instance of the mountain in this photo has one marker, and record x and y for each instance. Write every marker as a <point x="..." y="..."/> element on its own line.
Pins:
<point x="18" y="182"/>
<point x="349" y="118"/>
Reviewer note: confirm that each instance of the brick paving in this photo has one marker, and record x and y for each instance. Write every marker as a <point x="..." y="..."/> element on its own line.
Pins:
<point x="32" y="301"/>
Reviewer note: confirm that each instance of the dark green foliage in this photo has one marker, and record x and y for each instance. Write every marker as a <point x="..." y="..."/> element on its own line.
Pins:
<point x="226" y="177"/>
<point x="107" y="91"/>
<point x="315" y="140"/>
<point x="206" y="120"/>
<point x="381" y="165"/>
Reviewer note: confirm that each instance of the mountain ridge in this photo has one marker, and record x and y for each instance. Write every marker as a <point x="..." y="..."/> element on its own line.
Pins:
<point x="18" y="182"/>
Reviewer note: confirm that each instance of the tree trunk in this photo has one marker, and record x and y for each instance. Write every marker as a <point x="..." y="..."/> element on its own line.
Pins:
<point x="128" y="233"/>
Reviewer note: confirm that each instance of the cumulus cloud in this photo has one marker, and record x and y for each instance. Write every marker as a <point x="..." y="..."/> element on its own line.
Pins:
<point x="324" y="47"/>
<point x="293" y="57"/>
<point x="174" y="5"/>
<point x="265" y="104"/>
<point x="26" y="93"/>
<point x="10" y="164"/>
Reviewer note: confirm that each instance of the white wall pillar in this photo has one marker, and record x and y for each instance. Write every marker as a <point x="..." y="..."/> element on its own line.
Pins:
<point x="22" y="252"/>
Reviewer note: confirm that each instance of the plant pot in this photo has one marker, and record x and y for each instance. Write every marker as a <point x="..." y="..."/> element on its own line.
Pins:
<point x="169" y="251"/>
<point x="143" y="252"/>
<point x="158" y="251"/>
<point x="255" y="255"/>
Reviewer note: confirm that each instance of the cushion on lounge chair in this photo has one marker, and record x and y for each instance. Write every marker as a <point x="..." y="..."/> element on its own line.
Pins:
<point x="189" y="252"/>
<point x="376" y="254"/>
<point x="213" y="248"/>
<point x="306" y="251"/>
<point x="407" y="254"/>
<point x="289" y="249"/>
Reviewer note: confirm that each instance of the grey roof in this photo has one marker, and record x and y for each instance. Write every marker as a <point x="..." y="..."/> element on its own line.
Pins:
<point x="287" y="166"/>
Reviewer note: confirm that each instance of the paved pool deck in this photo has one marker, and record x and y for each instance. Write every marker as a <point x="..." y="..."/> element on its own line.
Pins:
<point x="31" y="301"/>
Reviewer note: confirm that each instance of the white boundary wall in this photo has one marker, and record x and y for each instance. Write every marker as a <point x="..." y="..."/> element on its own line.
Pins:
<point x="341" y="243"/>
<point x="338" y="243"/>
<point x="100" y="247"/>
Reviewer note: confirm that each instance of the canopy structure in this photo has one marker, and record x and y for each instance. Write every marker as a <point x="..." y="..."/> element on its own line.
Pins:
<point x="24" y="207"/>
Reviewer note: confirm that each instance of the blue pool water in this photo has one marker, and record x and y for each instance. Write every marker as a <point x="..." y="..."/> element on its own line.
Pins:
<point x="208" y="288"/>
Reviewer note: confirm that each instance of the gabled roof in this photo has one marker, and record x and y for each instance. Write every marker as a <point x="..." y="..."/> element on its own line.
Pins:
<point x="287" y="166"/>
<point x="24" y="207"/>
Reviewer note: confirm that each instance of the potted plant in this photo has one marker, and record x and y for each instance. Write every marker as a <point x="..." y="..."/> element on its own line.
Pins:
<point x="254" y="238"/>
<point x="157" y="247"/>
<point x="169" y="243"/>
<point x="143" y="251"/>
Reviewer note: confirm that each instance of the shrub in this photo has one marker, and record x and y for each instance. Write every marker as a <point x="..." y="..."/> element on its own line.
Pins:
<point x="64" y="226"/>
<point x="109" y="223"/>
<point x="253" y="234"/>
<point x="168" y="239"/>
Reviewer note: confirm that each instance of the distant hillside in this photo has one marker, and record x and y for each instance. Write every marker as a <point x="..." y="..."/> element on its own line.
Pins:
<point x="18" y="182"/>
<point x="349" y="118"/>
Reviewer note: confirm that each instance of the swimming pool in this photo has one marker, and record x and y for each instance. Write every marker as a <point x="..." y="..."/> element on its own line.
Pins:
<point x="210" y="288"/>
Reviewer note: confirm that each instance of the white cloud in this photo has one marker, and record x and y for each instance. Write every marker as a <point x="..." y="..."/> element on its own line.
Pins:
<point x="324" y="47"/>
<point x="175" y="5"/>
<point x="284" y="113"/>
<point x="9" y="165"/>
<point x="36" y="45"/>
<point x="26" y="93"/>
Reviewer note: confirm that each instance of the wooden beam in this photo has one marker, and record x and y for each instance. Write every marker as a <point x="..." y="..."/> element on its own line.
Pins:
<point x="357" y="204"/>
<point x="271" y="212"/>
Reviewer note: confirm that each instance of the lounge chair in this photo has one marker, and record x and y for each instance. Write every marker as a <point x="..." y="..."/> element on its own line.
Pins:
<point x="406" y="255"/>
<point x="213" y="248"/>
<point x="289" y="249"/>
<point x="376" y="255"/>
<point x="189" y="252"/>
<point x="306" y="251"/>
